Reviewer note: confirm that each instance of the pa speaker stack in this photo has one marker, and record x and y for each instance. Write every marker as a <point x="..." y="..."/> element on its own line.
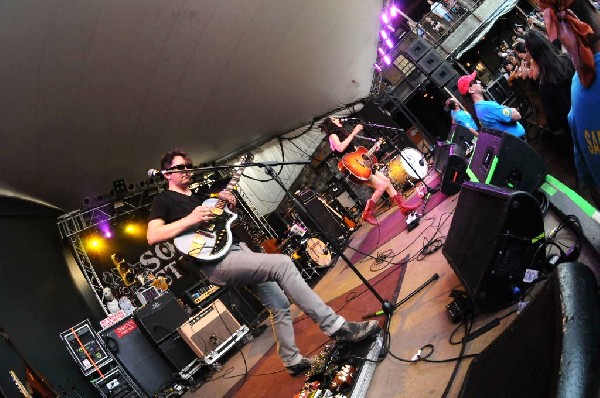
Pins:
<point x="504" y="160"/>
<point x="492" y="242"/>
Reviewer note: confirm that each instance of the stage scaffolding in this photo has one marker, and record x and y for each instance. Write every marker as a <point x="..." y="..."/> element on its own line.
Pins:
<point x="73" y="224"/>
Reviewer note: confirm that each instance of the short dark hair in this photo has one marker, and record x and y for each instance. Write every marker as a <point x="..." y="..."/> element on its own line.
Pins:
<point x="167" y="158"/>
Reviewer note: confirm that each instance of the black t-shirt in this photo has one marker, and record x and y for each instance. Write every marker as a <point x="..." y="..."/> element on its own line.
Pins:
<point x="171" y="206"/>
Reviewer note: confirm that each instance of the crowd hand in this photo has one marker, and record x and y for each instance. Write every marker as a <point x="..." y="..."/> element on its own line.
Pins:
<point x="201" y="214"/>
<point x="229" y="198"/>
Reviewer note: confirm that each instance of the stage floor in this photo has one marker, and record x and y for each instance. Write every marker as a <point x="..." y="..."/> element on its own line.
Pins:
<point x="421" y="320"/>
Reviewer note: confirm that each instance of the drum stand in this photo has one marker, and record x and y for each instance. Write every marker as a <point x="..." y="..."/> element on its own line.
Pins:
<point x="430" y="191"/>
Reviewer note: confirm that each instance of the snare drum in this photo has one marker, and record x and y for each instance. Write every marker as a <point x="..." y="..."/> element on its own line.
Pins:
<point x="400" y="168"/>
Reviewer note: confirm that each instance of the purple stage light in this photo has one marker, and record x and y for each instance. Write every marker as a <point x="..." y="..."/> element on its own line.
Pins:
<point x="394" y="11"/>
<point x="384" y="18"/>
<point x="387" y="59"/>
<point x="377" y="67"/>
<point x="384" y="34"/>
<point x="389" y="43"/>
<point x="390" y="28"/>
<point x="381" y="51"/>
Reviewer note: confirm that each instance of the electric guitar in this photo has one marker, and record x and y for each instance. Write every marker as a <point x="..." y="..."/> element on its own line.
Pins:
<point x="40" y="386"/>
<point x="360" y="162"/>
<point x="19" y="384"/>
<point x="211" y="241"/>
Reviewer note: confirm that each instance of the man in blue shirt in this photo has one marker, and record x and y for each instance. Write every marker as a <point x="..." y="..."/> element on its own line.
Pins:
<point x="461" y="117"/>
<point x="490" y="113"/>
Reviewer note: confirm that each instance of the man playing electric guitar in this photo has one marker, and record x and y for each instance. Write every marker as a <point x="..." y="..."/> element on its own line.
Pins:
<point x="339" y="141"/>
<point x="272" y="277"/>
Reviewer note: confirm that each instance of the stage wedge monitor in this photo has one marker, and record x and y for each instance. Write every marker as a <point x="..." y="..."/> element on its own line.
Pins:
<point x="506" y="161"/>
<point x="551" y="349"/>
<point x="491" y="242"/>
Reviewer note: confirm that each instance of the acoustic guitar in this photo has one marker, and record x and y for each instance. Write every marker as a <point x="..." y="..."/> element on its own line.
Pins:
<point x="360" y="162"/>
<point x="38" y="384"/>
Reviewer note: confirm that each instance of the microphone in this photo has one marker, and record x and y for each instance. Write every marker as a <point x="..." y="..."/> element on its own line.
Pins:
<point x="347" y="119"/>
<point x="154" y="173"/>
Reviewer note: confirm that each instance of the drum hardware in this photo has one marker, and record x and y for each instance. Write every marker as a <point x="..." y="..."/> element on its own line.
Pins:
<point x="311" y="252"/>
<point x="408" y="158"/>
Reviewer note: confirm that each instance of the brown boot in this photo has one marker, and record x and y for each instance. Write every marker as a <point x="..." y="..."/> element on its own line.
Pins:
<point x="405" y="208"/>
<point x="368" y="214"/>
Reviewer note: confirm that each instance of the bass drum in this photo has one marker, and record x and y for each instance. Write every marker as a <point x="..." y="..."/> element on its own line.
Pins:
<point x="409" y="165"/>
<point x="312" y="252"/>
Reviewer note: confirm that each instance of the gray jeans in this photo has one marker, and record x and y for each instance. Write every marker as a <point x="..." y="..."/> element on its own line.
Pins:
<point x="274" y="279"/>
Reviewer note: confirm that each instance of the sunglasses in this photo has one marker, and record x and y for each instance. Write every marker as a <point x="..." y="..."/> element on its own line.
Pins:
<point x="181" y="167"/>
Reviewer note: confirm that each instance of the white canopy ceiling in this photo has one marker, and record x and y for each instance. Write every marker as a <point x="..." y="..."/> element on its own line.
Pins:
<point x="94" y="91"/>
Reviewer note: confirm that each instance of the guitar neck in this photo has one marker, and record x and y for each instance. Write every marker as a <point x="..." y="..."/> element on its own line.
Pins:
<point x="373" y="148"/>
<point x="19" y="384"/>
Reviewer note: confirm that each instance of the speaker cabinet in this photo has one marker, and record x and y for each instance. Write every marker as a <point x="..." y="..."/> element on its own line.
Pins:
<point x="452" y="87"/>
<point x="449" y="160"/>
<point x="205" y="331"/>
<point x="430" y="61"/>
<point x="161" y="317"/>
<point x="551" y="349"/>
<point x="462" y="136"/>
<point x="176" y="351"/>
<point x="138" y="356"/>
<point x="329" y="222"/>
<point x="443" y="74"/>
<point x="417" y="49"/>
<point x="490" y="243"/>
<point x="506" y="161"/>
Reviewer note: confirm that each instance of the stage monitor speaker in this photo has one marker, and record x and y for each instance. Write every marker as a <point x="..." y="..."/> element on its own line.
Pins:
<point x="506" y="161"/>
<point x="417" y="49"/>
<point x="443" y="74"/>
<point x="161" y="317"/>
<point x="320" y="211"/>
<point x="138" y="356"/>
<point x="430" y="61"/>
<point x="449" y="160"/>
<point x="552" y="349"/>
<point x="492" y="241"/>
<point x="205" y="331"/>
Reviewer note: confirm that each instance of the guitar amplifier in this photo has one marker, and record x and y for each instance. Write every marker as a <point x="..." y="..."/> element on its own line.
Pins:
<point x="205" y="331"/>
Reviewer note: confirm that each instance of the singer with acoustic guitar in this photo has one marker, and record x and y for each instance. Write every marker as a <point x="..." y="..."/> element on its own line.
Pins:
<point x="200" y="228"/>
<point x="358" y="164"/>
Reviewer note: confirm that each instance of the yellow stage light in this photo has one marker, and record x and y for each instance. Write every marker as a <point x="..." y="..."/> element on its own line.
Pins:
<point x="132" y="229"/>
<point x="95" y="243"/>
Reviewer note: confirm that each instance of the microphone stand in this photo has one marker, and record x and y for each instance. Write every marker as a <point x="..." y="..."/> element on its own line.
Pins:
<point x="386" y="306"/>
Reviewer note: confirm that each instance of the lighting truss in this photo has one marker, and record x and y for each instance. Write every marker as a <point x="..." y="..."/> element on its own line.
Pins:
<point x="72" y="224"/>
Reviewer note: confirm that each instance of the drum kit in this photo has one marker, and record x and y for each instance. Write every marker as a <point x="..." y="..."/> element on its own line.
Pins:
<point x="406" y="168"/>
<point x="305" y="248"/>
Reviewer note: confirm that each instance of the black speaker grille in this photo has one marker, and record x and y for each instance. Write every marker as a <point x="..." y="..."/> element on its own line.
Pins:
<point x="523" y="361"/>
<point x="489" y="243"/>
